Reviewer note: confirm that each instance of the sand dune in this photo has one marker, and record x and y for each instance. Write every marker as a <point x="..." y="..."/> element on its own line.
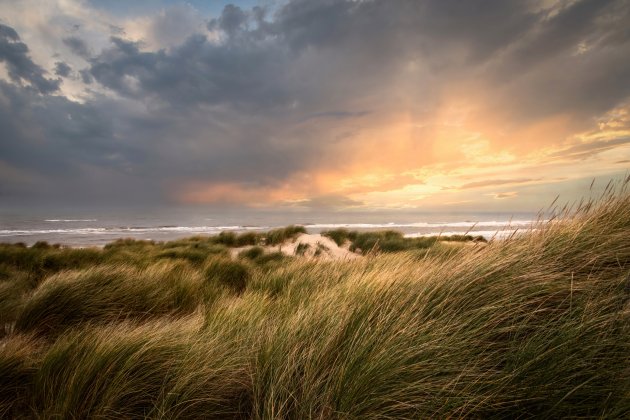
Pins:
<point x="315" y="246"/>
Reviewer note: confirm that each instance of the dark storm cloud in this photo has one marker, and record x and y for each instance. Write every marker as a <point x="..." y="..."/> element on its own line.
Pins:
<point x="62" y="69"/>
<point x="404" y="29"/>
<point x="572" y="63"/>
<point x="259" y="63"/>
<point x="86" y="76"/>
<point x="15" y="55"/>
<point x="52" y="135"/>
<point x="562" y="32"/>
<point x="77" y="46"/>
<point x="263" y="101"/>
<point x="337" y="115"/>
<point x="79" y="153"/>
<point x="231" y="21"/>
<point x="194" y="72"/>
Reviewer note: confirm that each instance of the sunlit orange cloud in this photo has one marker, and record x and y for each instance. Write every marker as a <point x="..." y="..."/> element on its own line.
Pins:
<point x="398" y="161"/>
<point x="299" y="187"/>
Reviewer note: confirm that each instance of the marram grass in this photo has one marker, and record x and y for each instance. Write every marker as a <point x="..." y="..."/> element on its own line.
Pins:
<point x="535" y="326"/>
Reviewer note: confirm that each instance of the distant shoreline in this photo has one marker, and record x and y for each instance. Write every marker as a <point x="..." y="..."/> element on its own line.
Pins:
<point x="82" y="237"/>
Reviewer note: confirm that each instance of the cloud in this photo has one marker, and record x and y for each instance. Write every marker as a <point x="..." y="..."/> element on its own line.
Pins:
<point x="571" y="63"/>
<point x="193" y="73"/>
<point x="589" y="149"/>
<point x="337" y="115"/>
<point x="329" y="201"/>
<point x="62" y="69"/>
<point x="504" y="195"/>
<point x="86" y="76"/>
<point x="322" y="103"/>
<point x="231" y="21"/>
<point x="496" y="182"/>
<point x="560" y="33"/>
<point x="72" y="148"/>
<point x="77" y="46"/>
<point x="15" y="55"/>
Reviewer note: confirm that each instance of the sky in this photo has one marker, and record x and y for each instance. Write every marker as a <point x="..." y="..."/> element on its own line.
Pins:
<point x="302" y="104"/>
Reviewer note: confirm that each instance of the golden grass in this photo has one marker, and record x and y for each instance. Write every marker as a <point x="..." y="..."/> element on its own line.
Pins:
<point x="535" y="326"/>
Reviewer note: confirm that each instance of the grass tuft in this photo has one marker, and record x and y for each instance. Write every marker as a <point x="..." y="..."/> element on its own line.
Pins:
<point x="109" y="293"/>
<point x="224" y="272"/>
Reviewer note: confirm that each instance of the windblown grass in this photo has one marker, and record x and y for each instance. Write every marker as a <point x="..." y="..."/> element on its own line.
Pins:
<point x="109" y="293"/>
<point x="157" y="369"/>
<point x="390" y="240"/>
<point x="18" y="355"/>
<point x="272" y="237"/>
<point x="534" y="326"/>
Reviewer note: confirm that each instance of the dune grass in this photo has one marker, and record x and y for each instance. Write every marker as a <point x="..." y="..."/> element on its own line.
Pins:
<point x="109" y="293"/>
<point x="272" y="237"/>
<point x="534" y="326"/>
<point x="390" y="240"/>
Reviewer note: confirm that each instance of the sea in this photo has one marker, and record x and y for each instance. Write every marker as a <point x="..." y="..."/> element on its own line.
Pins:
<point x="97" y="227"/>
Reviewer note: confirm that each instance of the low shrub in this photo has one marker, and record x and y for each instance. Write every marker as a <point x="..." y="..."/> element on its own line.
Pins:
<point x="252" y="253"/>
<point x="301" y="249"/>
<point x="247" y="238"/>
<point x="226" y="238"/>
<point x="233" y="275"/>
<point x="340" y="236"/>
<point x="278" y="236"/>
<point x="387" y="241"/>
<point x="41" y="245"/>
<point x="128" y="243"/>
<point x="462" y="238"/>
<point x="195" y="256"/>
<point x="271" y="259"/>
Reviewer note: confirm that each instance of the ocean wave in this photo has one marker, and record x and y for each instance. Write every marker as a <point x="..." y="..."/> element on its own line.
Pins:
<point x="71" y="220"/>
<point x="492" y="223"/>
<point x="488" y="234"/>
<point x="433" y="228"/>
<point x="124" y="230"/>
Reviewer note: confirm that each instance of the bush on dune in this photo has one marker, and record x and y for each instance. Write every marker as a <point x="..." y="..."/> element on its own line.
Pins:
<point x="252" y="253"/>
<point x="301" y="249"/>
<point x="129" y="243"/>
<point x="227" y="273"/>
<point x="385" y="241"/>
<point x="278" y="236"/>
<point x="340" y="236"/>
<point x="266" y="260"/>
<point x="462" y="238"/>
<point x="226" y="238"/>
<point x="247" y="238"/>
<point x="390" y="240"/>
<point x="193" y="256"/>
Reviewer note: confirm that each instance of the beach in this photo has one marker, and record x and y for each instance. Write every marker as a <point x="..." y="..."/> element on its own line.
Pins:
<point x="95" y="227"/>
